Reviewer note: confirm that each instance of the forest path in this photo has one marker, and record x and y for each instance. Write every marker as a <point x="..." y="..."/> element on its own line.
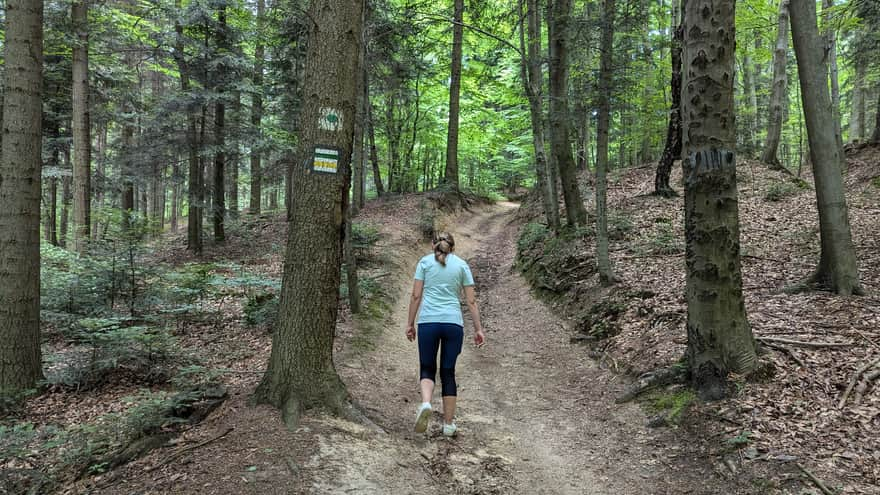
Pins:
<point x="535" y="415"/>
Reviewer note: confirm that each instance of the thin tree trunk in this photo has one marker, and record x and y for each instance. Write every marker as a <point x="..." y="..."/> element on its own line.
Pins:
<point x="101" y="176"/>
<point x="857" y="117"/>
<point x="219" y="206"/>
<point x="301" y="374"/>
<point x="195" y="193"/>
<point x="371" y="132"/>
<point x="672" y="149"/>
<point x="52" y="234"/>
<point x="575" y="212"/>
<point x="606" y="275"/>
<point x="833" y="72"/>
<point x="66" y="198"/>
<point x="20" y="190"/>
<point x="82" y="145"/>
<point x="357" y="154"/>
<point x="748" y="80"/>
<point x="720" y="339"/>
<point x="876" y="137"/>
<point x="257" y="113"/>
<point x="778" y="97"/>
<point x="234" y="157"/>
<point x="837" y="269"/>
<point x="533" y="80"/>
<point x="450" y="177"/>
<point x="175" y="193"/>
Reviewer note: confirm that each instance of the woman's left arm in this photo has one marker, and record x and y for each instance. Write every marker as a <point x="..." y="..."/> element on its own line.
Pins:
<point x="414" y="302"/>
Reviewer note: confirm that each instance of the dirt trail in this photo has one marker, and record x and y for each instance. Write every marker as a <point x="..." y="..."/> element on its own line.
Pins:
<point x="535" y="415"/>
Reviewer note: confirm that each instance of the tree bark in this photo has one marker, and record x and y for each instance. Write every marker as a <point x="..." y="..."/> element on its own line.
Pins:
<point x="195" y="182"/>
<point x="606" y="276"/>
<point x="875" y="138"/>
<point x="560" y="144"/>
<point x="257" y="113"/>
<point x="720" y="339"/>
<point x="357" y="154"/>
<point x="672" y="149"/>
<point x="748" y="76"/>
<point x="82" y="145"/>
<point x="778" y="97"/>
<point x="833" y="71"/>
<point x="219" y="205"/>
<point x="20" y="165"/>
<point x="301" y="374"/>
<point x="857" y="116"/>
<point x="837" y="269"/>
<point x="371" y="133"/>
<point x="533" y="81"/>
<point x="234" y="156"/>
<point x="450" y="177"/>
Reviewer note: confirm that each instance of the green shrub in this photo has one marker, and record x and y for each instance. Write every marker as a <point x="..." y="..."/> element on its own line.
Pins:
<point x="531" y="235"/>
<point x="261" y="308"/>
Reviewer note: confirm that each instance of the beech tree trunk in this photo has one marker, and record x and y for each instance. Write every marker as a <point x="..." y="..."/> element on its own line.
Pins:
<point x="672" y="149"/>
<point x="837" y="269"/>
<point x="20" y="166"/>
<point x="533" y="81"/>
<point x="301" y="374"/>
<point x="778" y="96"/>
<point x="450" y="177"/>
<point x="857" y="116"/>
<point x="720" y="339"/>
<point x="560" y="143"/>
<point x="257" y="113"/>
<point x="82" y="145"/>
<point x="606" y="276"/>
<point x="748" y="75"/>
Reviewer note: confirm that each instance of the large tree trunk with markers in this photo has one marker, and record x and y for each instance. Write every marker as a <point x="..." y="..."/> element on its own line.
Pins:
<point x="533" y="81"/>
<point x="672" y="149"/>
<point x="20" y="168"/>
<point x="82" y="145"/>
<point x="837" y="269"/>
<point x="779" y="94"/>
<point x="257" y="113"/>
<point x="720" y="339"/>
<point x="606" y="276"/>
<point x="450" y="177"/>
<point x="560" y="122"/>
<point x="301" y="374"/>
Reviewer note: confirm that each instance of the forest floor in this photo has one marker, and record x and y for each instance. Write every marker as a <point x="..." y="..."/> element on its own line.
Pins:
<point x="536" y="415"/>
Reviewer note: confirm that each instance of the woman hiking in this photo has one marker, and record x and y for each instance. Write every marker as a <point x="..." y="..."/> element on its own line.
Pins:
<point x="439" y="280"/>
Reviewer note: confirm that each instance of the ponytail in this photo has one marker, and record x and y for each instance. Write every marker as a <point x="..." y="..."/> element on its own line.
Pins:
<point x="443" y="245"/>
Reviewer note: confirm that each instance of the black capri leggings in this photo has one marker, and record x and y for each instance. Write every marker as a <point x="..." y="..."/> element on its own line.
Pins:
<point x="448" y="337"/>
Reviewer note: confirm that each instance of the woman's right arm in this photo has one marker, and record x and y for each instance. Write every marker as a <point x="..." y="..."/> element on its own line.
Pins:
<point x="470" y="295"/>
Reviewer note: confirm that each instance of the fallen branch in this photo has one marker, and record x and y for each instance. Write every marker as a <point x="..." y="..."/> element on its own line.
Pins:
<point x="860" y="390"/>
<point x="803" y="343"/>
<point x="788" y="352"/>
<point x="854" y="380"/>
<point x="180" y="452"/>
<point x="816" y="481"/>
<point x="652" y="380"/>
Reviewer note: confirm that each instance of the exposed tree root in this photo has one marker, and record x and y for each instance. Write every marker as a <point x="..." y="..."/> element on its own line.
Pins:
<point x="180" y="452"/>
<point x="854" y="380"/>
<point x="862" y="387"/>
<point x="816" y="481"/>
<point x="802" y="343"/>
<point x="788" y="352"/>
<point x="657" y="378"/>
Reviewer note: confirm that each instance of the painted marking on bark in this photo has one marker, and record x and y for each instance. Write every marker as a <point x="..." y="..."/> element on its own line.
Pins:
<point x="330" y="119"/>
<point x="325" y="160"/>
<point x="706" y="162"/>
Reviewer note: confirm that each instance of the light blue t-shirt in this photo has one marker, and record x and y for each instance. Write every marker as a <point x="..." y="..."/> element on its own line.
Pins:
<point x="440" y="298"/>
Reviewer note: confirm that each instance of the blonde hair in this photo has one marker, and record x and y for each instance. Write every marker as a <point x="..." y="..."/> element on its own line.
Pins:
<point x="443" y="245"/>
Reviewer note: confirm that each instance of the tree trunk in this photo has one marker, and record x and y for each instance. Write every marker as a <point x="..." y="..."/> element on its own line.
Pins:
<point x="234" y="157"/>
<point x="779" y="95"/>
<point x="128" y="194"/>
<point x="82" y="146"/>
<point x="720" y="340"/>
<point x="100" y="187"/>
<point x="52" y="234"/>
<point x="560" y="143"/>
<point x="450" y="177"/>
<point x="533" y="81"/>
<point x="606" y="276"/>
<point x="66" y="197"/>
<point x="301" y="374"/>
<point x="219" y="206"/>
<point x="672" y="149"/>
<point x="257" y="113"/>
<point x="833" y="72"/>
<point x="357" y="154"/>
<point x="857" y="116"/>
<point x="876" y="137"/>
<point x="837" y="269"/>
<point x="195" y="183"/>
<point x="175" y="193"/>
<point x="20" y="163"/>
<point x="371" y="132"/>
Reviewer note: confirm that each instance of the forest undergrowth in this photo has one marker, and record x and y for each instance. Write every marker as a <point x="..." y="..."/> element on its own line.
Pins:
<point x="802" y="414"/>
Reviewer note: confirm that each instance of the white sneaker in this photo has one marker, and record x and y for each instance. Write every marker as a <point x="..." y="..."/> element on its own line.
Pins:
<point x="422" y="417"/>
<point x="449" y="430"/>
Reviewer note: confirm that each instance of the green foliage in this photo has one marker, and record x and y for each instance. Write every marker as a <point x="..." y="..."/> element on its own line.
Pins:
<point x="363" y="237"/>
<point x="426" y="220"/>
<point x="876" y="182"/>
<point x="673" y="404"/>
<point x="261" y="308"/>
<point x="619" y="225"/>
<point x="531" y="235"/>
<point x="742" y="439"/>
<point x="664" y="240"/>
<point x="778" y="191"/>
